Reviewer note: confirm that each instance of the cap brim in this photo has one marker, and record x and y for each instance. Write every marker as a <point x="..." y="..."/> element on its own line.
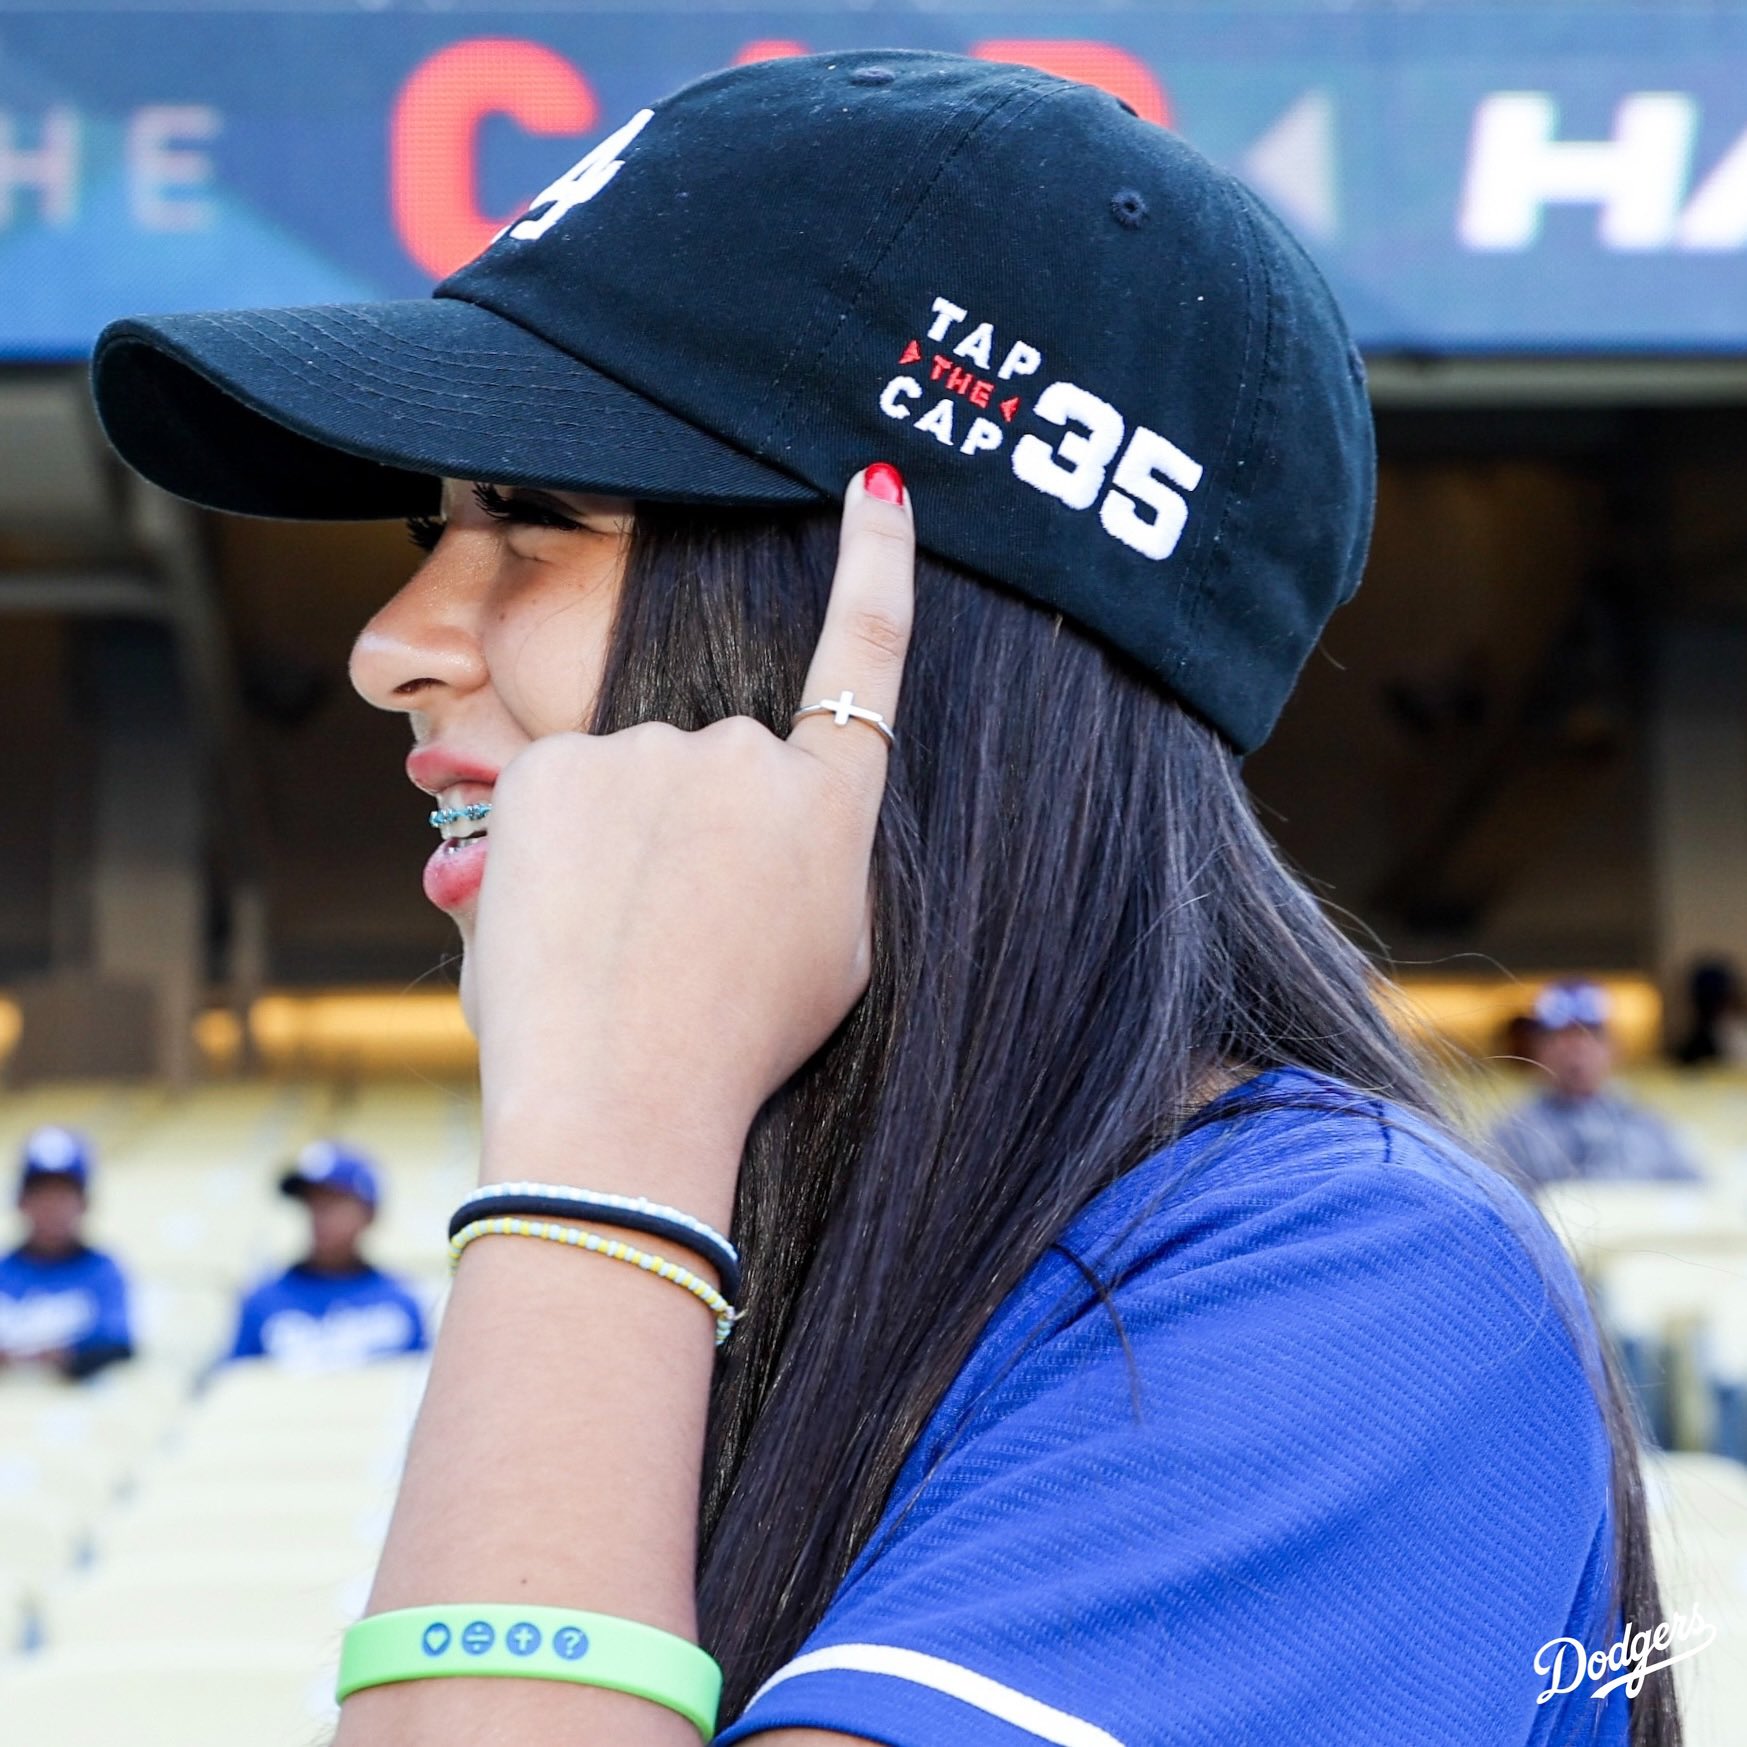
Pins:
<point x="298" y="1187"/>
<point x="351" y="412"/>
<point x="51" y="1174"/>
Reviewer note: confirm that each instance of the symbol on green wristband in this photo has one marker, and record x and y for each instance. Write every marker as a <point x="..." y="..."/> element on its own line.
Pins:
<point x="571" y="1642"/>
<point x="437" y="1638"/>
<point x="523" y="1638"/>
<point x="477" y="1637"/>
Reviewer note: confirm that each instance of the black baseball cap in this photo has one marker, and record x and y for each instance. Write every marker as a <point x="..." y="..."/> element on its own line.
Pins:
<point x="1116" y="382"/>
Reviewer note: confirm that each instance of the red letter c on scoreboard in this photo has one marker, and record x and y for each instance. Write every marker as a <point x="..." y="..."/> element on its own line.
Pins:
<point x="1102" y="64"/>
<point x="433" y="179"/>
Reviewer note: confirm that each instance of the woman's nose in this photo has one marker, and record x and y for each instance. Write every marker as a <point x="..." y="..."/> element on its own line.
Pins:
<point x="423" y="644"/>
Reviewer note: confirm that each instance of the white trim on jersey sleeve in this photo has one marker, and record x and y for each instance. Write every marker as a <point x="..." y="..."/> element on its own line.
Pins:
<point x="1031" y="1715"/>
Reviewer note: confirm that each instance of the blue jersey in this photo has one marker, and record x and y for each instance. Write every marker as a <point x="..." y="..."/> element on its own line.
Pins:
<point x="73" y="1304"/>
<point x="1338" y="1477"/>
<point x="1604" y="1138"/>
<point x="328" y="1321"/>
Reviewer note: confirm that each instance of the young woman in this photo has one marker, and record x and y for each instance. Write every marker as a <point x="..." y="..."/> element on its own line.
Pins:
<point x="1123" y="1351"/>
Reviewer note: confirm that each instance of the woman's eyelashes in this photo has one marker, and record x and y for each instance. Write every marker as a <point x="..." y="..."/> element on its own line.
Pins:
<point x="516" y="506"/>
<point x="530" y="508"/>
<point x="424" y="531"/>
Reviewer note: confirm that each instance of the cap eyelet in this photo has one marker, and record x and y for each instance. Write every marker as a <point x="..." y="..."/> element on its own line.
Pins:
<point x="1128" y="207"/>
<point x="872" y="76"/>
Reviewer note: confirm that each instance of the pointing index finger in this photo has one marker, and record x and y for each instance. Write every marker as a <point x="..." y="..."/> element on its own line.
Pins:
<point x="866" y="634"/>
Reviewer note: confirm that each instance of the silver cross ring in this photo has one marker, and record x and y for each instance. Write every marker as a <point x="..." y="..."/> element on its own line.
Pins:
<point x="845" y="709"/>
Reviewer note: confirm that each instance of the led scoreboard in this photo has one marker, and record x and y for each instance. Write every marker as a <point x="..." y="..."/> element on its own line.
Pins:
<point x="1472" y="179"/>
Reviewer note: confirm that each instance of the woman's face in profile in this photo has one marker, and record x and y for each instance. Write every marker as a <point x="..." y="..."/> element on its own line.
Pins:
<point x="498" y="638"/>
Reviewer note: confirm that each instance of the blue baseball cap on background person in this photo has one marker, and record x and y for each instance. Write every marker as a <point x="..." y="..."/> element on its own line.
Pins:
<point x="325" y="1164"/>
<point x="55" y="1152"/>
<point x="1572" y="1003"/>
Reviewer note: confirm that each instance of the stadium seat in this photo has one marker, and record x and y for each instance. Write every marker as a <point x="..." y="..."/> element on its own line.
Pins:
<point x="1697" y="1507"/>
<point x="264" y="1450"/>
<point x="184" y="1323"/>
<point x="1713" y="1684"/>
<point x="370" y="1465"/>
<point x="40" y="1535"/>
<point x="1595" y="1220"/>
<point x="216" y="1563"/>
<point x="239" y="1499"/>
<point x="262" y="1524"/>
<point x="104" y="1427"/>
<point x="159" y="1696"/>
<point x="1657" y="1303"/>
<point x="17" y="1612"/>
<point x="150" y="1605"/>
<point x="383" y="1393"/>
<point x="82" y="1478"/>
<point x="1707" y="1490"/>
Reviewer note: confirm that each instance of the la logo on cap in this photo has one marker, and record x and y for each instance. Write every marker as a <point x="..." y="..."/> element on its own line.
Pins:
<point x="318" y="1160"/>
<point x="581" y="182"/>
<point x="53" y="1148"/>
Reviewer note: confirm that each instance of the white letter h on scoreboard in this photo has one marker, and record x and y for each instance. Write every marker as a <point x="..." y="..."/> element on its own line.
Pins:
<point x="1517" y="167"/>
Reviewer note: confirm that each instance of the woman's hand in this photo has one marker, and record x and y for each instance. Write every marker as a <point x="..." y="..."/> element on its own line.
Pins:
<point x="671" y="923"/>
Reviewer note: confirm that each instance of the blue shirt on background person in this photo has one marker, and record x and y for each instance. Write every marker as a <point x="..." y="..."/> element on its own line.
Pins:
<point x="332" y="1309"/>
<point x="63" y="1304"/>
<point x="1577" y="1128"/>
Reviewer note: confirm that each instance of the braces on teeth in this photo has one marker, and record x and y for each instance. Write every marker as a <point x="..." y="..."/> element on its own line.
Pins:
<point x="454" y="815"/>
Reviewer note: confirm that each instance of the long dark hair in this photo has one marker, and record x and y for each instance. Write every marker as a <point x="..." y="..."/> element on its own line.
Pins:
<point x="1076" y="913"/>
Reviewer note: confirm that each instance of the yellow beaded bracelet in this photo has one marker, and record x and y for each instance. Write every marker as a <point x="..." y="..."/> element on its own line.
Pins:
<point x="579" y="1238"/>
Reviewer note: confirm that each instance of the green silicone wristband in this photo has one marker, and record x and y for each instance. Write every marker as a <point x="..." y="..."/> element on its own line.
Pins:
<point x="534" y="1643"/>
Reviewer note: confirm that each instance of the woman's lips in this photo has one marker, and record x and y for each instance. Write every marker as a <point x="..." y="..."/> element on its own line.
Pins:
<point x="452" y="875"/>
<point x="435" y="768"/>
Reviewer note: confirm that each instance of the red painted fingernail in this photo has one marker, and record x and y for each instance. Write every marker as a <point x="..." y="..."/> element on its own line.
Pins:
<point x="884" y="481"/>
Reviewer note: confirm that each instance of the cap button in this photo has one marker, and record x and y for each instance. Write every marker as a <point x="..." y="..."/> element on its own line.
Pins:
<point x="1128" y="207"/>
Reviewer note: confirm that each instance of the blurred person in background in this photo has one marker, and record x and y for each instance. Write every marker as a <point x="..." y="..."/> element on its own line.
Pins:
<point x="333" y="1308"/>
<point x="63" y="1304"/>
<point x="1719" y="1016"/>
<point x="1577" y="1127"/>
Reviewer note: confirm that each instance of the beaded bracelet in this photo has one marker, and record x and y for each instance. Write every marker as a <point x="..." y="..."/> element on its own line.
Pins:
<point x="578" y="1238"/>
<point x="559" y="1200"/>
